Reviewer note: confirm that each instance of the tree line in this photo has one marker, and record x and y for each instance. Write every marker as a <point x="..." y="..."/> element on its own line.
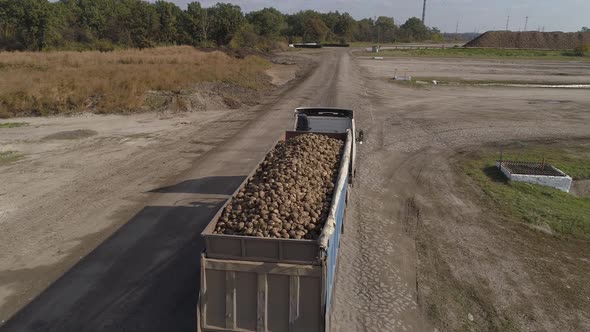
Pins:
<point x="107" y="24"/>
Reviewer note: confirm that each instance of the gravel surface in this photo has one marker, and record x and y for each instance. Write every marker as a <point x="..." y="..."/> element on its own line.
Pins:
<point x="425" y="248"/>
<point x="289" y="196"/>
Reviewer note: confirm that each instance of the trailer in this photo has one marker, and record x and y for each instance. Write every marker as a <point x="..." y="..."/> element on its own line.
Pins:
<point x="271" y="284"/>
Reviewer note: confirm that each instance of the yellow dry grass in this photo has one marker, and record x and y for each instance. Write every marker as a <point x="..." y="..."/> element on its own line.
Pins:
<point x="67" y="82"/>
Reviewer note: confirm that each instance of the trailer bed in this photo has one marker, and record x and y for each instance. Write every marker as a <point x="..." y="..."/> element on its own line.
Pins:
<point x="253" y="284"/>
<point x="237" y="247"/>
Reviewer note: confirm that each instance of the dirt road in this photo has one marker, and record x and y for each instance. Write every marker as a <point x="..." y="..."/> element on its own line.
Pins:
<point x="82" y="178"/>
<point x="145" y="275"/>
<point x="422" y="247"/>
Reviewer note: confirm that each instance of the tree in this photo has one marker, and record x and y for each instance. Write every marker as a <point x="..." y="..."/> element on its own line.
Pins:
<point x="345" y="27"/>
<point x="365" y="30"/>
<point x="330" y="19"/>
<point x="267" y="22"/>
<point x="585" y="29"/>
<point x="24" y="24"/>
<point x="93" y="15"/>
<point x="169" y="15"/>
<point x="105" y="24"/>
<point x="226" y="21"/>
<point x="246" y="36"/>
<point x="196" y="22"/>
<point x="140" y="23"/>
<point x="385" y="29"/>
<point x="315" y="30"/>
<point x="297" y="23"/>
<point x="415" y="30"/>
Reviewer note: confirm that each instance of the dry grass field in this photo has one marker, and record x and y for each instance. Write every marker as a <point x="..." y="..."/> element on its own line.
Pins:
<point x="70" y="82"/>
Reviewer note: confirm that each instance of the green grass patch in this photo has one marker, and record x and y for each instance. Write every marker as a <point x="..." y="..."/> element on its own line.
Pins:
<point x="13" y="124"/>
<point x="564" y="213"/>
<point x="9" y="156"/>
<point x="480" y="53"/>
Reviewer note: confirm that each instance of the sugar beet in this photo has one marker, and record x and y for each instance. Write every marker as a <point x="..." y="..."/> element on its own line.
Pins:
<point x="289" y="196"/>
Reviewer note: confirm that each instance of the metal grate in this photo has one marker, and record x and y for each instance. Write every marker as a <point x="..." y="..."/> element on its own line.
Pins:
<point x="530" y="168"/>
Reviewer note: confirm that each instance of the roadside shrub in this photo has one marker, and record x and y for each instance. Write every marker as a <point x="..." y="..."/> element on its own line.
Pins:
<point x="245" y="37"/>
<point x="438" y="37"/>
<point x="206" y="44"/>
<point x="295" y="40"/>
<point x="3" y="113"/>
<point x="281" y="45"/>
<point x="104" y="45"/>
<point x="582" y="50"/>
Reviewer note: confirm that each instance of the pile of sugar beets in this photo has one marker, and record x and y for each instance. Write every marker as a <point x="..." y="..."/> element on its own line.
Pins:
<point x="290" y="194"/>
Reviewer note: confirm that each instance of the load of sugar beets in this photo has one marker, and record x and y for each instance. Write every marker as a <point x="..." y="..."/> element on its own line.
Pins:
<point x="289" y="195"/>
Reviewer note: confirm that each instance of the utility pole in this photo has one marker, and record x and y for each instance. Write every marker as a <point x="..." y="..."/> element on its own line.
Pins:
<point x="457" y="27"/>
<point x="526" y="23"/>
<point x="507" y="22"/>
<point x="424" y="13"/>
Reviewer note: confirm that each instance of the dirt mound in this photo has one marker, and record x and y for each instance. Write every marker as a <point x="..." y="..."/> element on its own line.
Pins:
<point x="531" y="39"/>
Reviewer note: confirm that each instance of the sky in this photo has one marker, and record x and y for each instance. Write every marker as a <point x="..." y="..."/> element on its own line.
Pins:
<point x="472" y="15"/>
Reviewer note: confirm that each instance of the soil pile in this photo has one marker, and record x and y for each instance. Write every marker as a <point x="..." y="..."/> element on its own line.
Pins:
<point x="289" y="196"/>
<point x="531" y="40"/>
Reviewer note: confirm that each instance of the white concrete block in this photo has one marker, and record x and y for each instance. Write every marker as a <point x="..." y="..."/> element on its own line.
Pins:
<point x="563" y="182"/>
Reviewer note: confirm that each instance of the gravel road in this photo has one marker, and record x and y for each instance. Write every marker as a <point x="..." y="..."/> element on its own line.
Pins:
<point x="422" y="248"/>
<point x="425" y="247"/>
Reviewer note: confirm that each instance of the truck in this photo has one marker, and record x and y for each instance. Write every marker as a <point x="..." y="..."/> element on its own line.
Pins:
<point x="274" y="284"/>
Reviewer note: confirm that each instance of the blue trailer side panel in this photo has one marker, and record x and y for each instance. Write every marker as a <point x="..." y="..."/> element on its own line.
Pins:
<point x="334" y="245"/>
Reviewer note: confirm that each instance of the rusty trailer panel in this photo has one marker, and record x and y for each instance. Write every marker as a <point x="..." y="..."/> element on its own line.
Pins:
<point x="261" y="296"/>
